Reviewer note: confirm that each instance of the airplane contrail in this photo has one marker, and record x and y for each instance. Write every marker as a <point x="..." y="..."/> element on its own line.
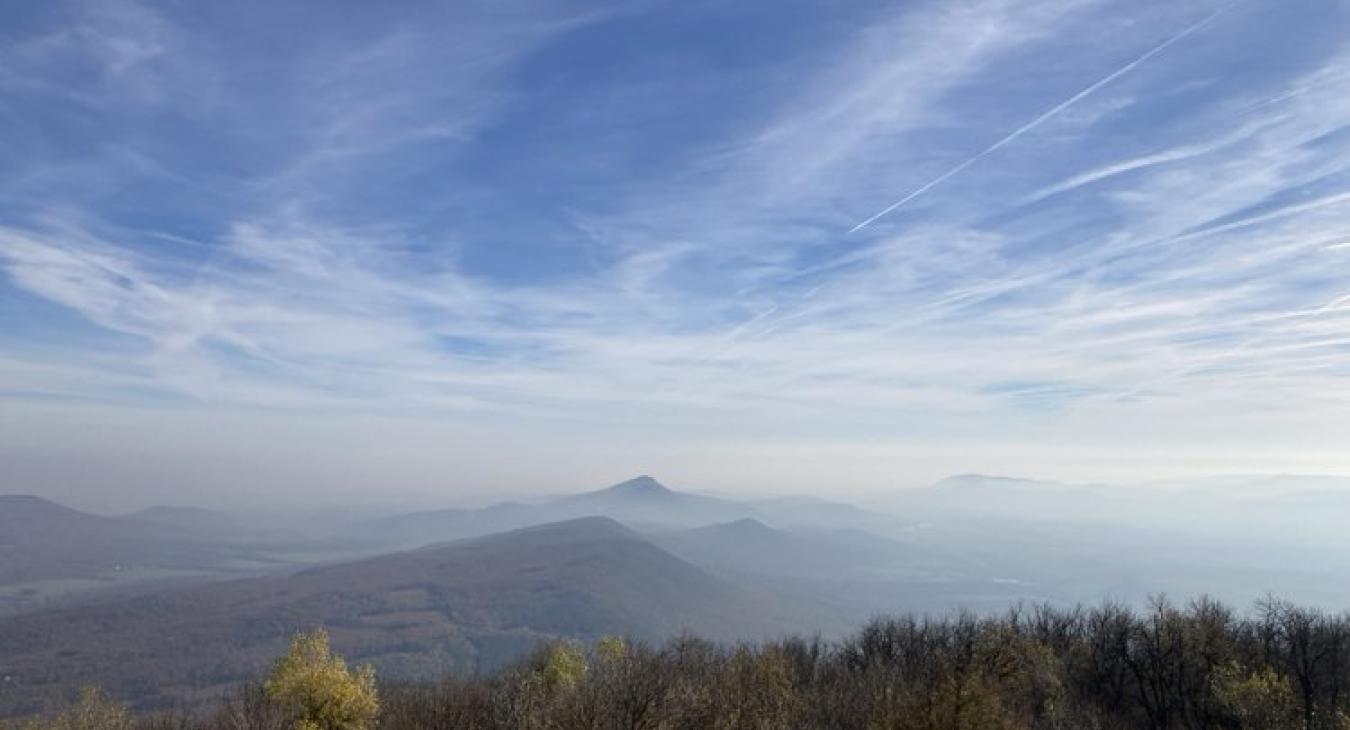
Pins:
<point x="1043" y="117"/>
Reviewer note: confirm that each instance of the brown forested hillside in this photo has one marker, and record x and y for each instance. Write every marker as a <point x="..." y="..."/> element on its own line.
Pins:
<point x="458" y="608"/>
<point x="1165" y="668"/>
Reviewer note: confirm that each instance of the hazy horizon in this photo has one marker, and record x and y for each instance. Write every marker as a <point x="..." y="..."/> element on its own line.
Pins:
<point x="361" y="502"/>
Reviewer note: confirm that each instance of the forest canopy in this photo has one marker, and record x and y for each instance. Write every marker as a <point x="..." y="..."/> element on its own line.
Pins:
<point x="1168" y="667"/>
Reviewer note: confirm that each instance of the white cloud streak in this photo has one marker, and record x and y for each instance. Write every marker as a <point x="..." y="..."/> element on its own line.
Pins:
<point x="1049" y="114"/>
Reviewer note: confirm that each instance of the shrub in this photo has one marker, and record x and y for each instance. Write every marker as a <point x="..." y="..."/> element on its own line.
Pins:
<point x="563" y="667"/>
<point x="318" y="691"/>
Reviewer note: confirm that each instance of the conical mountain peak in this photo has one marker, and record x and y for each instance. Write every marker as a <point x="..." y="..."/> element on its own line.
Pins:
<point x="639" y="486"/>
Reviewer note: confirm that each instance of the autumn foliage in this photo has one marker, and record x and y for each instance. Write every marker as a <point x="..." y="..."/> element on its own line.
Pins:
<point x="1201" y="667"/>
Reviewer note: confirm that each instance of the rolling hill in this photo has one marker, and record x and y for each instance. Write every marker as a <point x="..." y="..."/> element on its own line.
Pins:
<point x="463" y="606"/>
<point x="750" y="547"/>
<point x="51" y="553"/>
<point x="641" y="501"/>
<point x="42" y="540"/>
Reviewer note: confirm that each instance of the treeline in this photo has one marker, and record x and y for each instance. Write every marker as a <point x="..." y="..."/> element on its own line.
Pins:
<point x="1165" y="668"/>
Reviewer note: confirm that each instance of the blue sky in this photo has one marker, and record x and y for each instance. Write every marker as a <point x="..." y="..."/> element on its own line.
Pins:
<point x="805" y="245"/>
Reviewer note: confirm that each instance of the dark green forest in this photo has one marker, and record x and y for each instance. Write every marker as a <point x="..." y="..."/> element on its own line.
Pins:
<point x="1167" y="667"/>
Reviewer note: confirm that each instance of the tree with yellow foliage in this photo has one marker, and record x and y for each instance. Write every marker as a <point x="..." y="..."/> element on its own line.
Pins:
<point x="1258" y="700"/>
<point x="319" y="691"/>
<point x="564" y="666"/>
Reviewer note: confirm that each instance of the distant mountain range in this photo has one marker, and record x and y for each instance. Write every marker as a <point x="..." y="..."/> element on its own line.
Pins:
<point x="460" y="607"/>
<point x="50" y="553"/>
<point x="750" y="547"/>
<point x="53" y="553"/>
<point x="172" y="603"/>
<point x="1264" y="498"/>
<point x="41" y="540"/>
<point x="641" y="501"/>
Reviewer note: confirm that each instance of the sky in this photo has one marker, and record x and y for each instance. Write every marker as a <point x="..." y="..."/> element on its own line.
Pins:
<point x="404" y="251"/>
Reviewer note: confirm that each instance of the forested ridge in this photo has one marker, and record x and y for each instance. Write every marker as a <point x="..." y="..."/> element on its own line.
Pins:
<point x="1201" y="665"/>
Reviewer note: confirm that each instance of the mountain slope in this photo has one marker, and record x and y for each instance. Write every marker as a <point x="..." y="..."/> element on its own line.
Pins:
<point x="1005" y="498"/>
<point x="202" y="523"/>
<point x="457" y="607"/>
<point x="749" y="547"/>
<point x="641" y="500"/>
<point x="30" y="521"/>
<point x="44" y="541"/>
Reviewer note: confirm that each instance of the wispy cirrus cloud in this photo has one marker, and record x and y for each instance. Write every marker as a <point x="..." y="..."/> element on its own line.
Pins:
<point x="1040" y="119"/>
<point x="512" y="229"/>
